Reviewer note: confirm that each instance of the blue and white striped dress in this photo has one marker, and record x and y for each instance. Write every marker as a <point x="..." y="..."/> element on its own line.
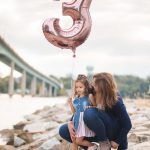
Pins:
<point x="80" y="104"/>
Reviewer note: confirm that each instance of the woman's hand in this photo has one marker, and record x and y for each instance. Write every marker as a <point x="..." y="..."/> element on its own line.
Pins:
<point x="71" y="130"/>
<point x="114" y="144"/>
<point x="86" y="107"/>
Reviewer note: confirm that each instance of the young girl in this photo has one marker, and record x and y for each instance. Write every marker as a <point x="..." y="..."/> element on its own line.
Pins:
<point x="82" y="100"/>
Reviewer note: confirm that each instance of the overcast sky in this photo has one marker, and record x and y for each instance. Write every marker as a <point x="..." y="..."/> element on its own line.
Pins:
<point x="119" y="41"/>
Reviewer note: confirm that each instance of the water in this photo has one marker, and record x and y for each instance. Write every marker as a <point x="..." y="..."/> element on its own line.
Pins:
<point x="13" y="110"/>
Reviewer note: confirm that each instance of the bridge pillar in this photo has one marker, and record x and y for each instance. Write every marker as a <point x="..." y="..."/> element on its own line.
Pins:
<point x="23" y="83"/>
<point x="55" y="92"/>
<point x="33" y="86"/>
<point x="11" y="80"/>
<point x="50" y="91"/>
<point x="42" y="90"/>
<point x="46" y="91"/>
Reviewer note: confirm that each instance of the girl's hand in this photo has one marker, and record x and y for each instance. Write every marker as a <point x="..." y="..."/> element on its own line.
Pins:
<point x="71" y="130"/>
<point x="69" y="100"/>
<point x="114" y="144"/>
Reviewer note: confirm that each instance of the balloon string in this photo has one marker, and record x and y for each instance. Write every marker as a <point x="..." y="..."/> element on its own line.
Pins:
<point x="72" y="75"/>
<point x="74" y="52"/>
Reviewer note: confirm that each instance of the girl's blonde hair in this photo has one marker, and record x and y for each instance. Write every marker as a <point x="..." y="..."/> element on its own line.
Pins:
<point x="106" y="90"/>
<point x="83" y="79"/>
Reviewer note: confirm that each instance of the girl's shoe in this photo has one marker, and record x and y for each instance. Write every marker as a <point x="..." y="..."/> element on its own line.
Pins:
<point x="94" y="147"/>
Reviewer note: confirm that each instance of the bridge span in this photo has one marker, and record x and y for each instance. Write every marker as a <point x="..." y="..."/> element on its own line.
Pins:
<point x="45" y="86"/>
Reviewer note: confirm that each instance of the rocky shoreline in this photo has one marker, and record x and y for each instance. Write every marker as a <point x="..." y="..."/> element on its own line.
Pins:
<point x="39" y="131"/>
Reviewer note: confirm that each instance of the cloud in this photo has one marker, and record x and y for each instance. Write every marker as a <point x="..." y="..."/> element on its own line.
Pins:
<point x="119" y="41"/>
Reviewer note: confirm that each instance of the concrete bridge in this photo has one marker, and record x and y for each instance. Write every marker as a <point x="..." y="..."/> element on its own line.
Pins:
<point x="45" y="86"/>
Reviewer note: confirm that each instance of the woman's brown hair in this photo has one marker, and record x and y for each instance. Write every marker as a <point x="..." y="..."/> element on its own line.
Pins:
<point x="106" y="90"/>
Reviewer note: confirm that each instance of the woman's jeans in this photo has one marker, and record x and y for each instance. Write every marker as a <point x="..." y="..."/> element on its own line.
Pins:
<point x="105" y="126"/>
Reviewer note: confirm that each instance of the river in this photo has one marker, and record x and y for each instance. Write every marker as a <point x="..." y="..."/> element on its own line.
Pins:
<point x="13" y="110"/>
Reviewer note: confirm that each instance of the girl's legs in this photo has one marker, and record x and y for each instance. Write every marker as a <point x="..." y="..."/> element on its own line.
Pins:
<point x="64" y="133"/>
<point x="74" y="146"/>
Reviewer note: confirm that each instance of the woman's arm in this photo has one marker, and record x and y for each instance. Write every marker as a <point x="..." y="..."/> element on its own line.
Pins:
<point x="71" y="105"/>
<point x="124" y="120"/>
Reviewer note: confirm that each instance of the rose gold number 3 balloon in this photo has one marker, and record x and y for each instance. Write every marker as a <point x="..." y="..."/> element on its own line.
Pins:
<point x="77" y="34"/>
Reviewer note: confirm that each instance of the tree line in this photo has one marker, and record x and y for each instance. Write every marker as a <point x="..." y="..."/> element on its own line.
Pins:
<point x="128" y="85"/>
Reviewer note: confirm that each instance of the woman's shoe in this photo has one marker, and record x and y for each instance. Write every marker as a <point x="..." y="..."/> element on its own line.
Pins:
<point x="94" y="147"/>
<point x="105" y="145"/>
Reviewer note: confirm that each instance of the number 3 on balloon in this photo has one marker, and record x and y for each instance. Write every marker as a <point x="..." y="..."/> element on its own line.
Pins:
<point x="77" y="33"/>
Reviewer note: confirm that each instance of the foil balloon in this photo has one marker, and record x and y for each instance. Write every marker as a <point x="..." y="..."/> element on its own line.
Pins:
<point x="77" y="33"/>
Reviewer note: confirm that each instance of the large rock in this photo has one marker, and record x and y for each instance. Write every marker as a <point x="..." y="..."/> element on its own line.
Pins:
<point x="6" y="137"/>
<point x="141" y="146"/>
<point x="18" y="141"/>
<point x="40" y="126"/>
<point x="46" y="135"/>
<point x="61" y="118"/>
<point x="32" y="117"/>
<point x="6" y="147"/>
<point x="27" y="137"/>
<point x="49" y="144"/>
<point x="20" y="125"/>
